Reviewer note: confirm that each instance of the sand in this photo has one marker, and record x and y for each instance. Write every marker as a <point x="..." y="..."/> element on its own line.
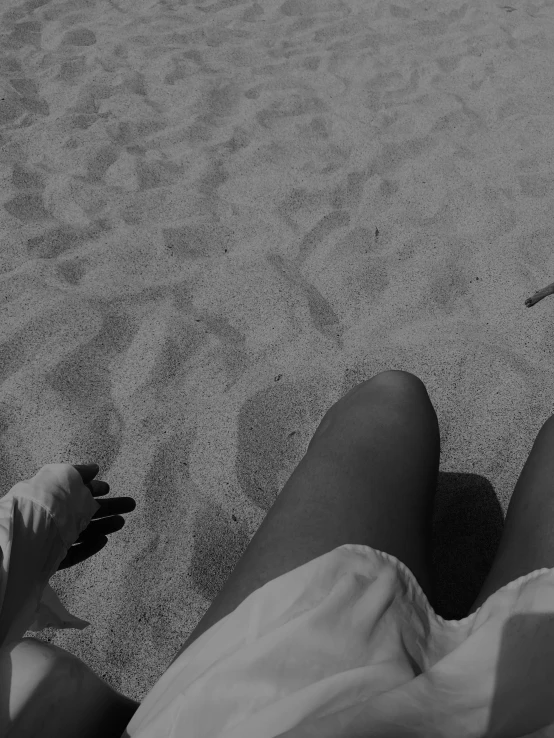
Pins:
<point x="219" y="217"/>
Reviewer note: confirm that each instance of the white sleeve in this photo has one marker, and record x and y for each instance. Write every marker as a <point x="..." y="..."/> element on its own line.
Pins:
<point x="40" y="519"/>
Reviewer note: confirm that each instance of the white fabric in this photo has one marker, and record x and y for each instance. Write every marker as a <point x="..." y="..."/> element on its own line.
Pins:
<point x="345" y="646"/>
<point x="40" y="519"/>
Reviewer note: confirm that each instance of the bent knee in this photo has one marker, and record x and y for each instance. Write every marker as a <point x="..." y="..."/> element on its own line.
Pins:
<point x="28" y="668"/>
<point x="397" y="378"/>
<point x="388" y="384"/>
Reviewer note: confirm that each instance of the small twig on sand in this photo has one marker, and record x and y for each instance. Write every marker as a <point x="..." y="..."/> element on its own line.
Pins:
<point x="537" y="297"/>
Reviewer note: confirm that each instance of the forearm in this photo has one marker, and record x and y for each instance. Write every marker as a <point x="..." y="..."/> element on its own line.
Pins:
<point x="54" y="694"/>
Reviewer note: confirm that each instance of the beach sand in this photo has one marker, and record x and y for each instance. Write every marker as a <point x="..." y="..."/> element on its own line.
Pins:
<point x="216" y="219"/>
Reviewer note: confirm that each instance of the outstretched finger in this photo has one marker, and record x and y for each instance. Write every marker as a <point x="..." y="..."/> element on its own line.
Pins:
<point x="82" y="551"/>
<point x="98" y="488"/>
<point x="87" y="471"/>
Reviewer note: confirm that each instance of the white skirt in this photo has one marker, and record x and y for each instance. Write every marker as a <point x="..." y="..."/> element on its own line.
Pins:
<point x="348" y="645"/>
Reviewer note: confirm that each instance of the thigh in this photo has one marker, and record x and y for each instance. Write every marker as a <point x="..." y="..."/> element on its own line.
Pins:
<point x="527" y="542"/>
<point x="368" y="477"/>
<point x="47" y="691"/>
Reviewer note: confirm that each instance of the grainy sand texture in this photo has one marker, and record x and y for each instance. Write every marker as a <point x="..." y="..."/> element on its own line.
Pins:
<point x="216" y="218"/>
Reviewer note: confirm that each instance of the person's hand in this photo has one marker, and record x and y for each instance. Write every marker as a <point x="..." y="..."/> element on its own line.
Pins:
<point x="94" y="536"/>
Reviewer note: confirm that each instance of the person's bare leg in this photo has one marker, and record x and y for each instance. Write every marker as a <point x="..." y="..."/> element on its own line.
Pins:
<point x="527" y="541"/>
<point x="368" y="477"/>
<point x="47" y="691"/>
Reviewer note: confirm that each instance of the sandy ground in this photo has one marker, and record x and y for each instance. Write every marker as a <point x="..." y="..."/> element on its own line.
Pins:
<point x="216" y="218"/>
